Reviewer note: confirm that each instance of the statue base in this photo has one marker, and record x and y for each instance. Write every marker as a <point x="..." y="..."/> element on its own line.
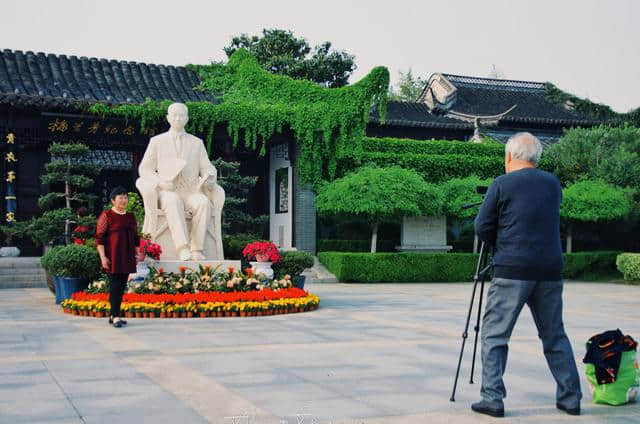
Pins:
<point x="220" y="266"/>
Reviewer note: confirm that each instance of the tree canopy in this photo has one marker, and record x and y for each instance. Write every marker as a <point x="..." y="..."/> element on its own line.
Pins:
<point x="595" y="201"/>
<point x="610" y="154"/>
<point x="281" y="52"/>
<point x="379" y="195"/>
<point x="408" y="87"/>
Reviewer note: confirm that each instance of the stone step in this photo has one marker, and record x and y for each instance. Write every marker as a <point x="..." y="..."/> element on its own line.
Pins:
<point x="23" y="277"/>
<point x="20" y="262"/>
<point x="22" y="284"/>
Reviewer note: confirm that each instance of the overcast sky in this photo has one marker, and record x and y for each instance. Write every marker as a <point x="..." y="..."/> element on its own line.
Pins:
<point x="588" y="47"/>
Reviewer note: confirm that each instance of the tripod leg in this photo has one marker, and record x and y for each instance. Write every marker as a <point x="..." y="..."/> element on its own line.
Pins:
<point x="477" y="329"/>
<point x="466" y="326"/>
<point x="464" y="339"/>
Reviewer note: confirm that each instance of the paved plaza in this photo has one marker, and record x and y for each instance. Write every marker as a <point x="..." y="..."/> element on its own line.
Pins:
<point x="371" y="354"/>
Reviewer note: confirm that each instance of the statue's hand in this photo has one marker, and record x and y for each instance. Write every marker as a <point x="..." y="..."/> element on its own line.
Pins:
<point x="210" y="183"/>
<point x="166" y="186"/>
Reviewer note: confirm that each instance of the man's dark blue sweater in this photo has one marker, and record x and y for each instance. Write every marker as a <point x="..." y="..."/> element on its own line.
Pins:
<point x="520" y="217"/>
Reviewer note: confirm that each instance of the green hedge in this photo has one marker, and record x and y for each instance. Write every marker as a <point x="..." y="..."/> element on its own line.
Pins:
<point x="629" y="265"/>
<point x="335" y="245"/>
<point x="440" y="267"/>
<point x="434" y="168"/>
<point x="581" y="263"/>
<point x="432" y="147"/>
<point x="399" y="267"/>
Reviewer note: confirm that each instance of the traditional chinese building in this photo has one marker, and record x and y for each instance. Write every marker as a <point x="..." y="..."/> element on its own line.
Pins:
<point x="44" y="98"/>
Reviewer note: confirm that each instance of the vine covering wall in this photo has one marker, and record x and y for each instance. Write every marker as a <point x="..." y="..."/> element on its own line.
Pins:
<point x="328" y="124"/>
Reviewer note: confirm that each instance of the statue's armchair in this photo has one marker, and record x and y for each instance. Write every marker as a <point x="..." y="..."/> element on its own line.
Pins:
<point x="155" y="221"/>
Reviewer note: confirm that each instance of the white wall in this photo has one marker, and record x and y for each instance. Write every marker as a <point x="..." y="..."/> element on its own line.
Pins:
<point x="280" y="224"/>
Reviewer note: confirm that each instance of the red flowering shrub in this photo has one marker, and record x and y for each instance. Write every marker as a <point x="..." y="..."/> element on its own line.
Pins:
<point x="264" y="248"/>
<point x="150" y="249"/>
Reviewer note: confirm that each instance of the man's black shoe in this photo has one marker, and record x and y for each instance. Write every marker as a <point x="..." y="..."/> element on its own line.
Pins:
<point x="570" y="411"/>
<point x="483" y="407"/>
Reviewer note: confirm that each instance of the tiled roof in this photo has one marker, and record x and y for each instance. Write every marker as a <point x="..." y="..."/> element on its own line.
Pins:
<point x="58" y="80"/>
<point x="417" y="115"/>
<point x="487" y="96"/>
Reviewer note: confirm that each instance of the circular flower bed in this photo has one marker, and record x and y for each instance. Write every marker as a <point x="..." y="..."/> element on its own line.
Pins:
<point x="196" y="293"/>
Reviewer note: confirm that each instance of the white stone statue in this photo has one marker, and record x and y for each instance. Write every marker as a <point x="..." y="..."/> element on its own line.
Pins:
<point x="182" y="202"/>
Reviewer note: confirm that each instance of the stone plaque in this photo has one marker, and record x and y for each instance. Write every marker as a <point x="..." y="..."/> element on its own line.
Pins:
<point x="424" y="233"/>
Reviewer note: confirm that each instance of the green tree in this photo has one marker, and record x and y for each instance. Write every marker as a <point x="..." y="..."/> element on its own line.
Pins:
<point x="379" y="195"/>
<point x="236" y="218"/>
<point x="463" y="191"/>
<point x="593" y="201"/>
<point x="281" y="52"/>
<point x="72" y="177"/>
<point x="604" y="153"/>
<point x="408" y="87"/>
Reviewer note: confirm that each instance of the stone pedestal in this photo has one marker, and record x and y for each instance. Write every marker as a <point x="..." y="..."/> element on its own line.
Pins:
<point x="424" y="234"/>
<point x="220" y="266"/>
<point x="263" y="268"/>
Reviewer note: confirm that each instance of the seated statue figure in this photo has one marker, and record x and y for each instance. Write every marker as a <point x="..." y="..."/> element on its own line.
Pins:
<point x="182" y="200"/>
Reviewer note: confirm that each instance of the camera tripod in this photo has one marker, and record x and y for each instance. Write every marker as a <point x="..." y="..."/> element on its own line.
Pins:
<point x="479" y="277"/>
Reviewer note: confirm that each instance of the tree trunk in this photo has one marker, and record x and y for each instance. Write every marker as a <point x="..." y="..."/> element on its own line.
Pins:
<point x="570" y="239"/>
<point x="67" y="195"/>
<point x="374" y="238"/>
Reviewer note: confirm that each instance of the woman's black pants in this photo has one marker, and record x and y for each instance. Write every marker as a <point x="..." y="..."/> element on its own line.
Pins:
<point x="117" y="285"/>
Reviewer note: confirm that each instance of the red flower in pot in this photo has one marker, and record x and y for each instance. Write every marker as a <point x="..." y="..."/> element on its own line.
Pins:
<point x="262" y="251"/>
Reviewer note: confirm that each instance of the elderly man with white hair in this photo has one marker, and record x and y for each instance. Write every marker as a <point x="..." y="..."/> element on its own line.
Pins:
<point x="520" y="218"/>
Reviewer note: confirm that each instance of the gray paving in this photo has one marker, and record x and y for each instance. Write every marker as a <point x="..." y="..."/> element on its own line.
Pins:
<point x="371" y="354"/>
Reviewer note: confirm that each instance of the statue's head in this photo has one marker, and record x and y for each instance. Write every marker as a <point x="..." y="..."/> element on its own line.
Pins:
<point x="178" y="116"/>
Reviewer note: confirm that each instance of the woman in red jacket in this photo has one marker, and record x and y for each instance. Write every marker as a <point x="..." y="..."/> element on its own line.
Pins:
<point x="117" y="241"/>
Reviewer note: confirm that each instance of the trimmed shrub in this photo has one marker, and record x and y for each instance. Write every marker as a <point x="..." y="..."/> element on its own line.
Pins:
<point x="74" y="260"/>
<point x="432" y="147"/>
<point x="440" y="267"/>
<point x="334" y="245"/>
<point x="629" y="265"/>
<point x="293" y="263"/>
<point x="435" y="168"/>
<point x="399" y="267"/>
<point x="581" y="263"/>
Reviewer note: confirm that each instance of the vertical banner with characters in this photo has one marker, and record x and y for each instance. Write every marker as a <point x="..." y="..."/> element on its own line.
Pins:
<point x="10" y="178"/>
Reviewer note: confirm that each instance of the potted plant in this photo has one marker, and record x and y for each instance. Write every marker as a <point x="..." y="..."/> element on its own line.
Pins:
<point x="73" y="266"/>
<point x="265" y="254"/>
<point x="293" y="263"/>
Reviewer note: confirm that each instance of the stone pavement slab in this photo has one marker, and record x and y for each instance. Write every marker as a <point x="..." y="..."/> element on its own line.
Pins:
<point x="376" y="354"/>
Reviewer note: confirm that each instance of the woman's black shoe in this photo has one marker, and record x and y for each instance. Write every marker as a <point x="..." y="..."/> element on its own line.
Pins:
<point x="123" y="321"/>
<point x="117" y="324"/>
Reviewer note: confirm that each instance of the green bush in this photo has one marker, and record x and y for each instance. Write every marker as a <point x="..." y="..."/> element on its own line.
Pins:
<point x="334" y="245"/>
<point x="583" y="263"/>
<point x="399" y="267"/>
<point x="441" y="267"/>
<point x="434" y="168"/>
<point x="233" y="244"/>
<point x="432" y="147"/>
<point x="72" y="261"/>
<point x="292" y="263"/>
<point x="629" y="265"/>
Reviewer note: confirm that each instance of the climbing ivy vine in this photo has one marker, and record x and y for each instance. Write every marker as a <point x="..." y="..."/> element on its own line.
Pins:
<point x="591" y="109"/>
<point x="328" y="124"/>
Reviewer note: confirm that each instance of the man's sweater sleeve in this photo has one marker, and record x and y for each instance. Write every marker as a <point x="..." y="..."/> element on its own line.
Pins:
<point x="486" y="223"/>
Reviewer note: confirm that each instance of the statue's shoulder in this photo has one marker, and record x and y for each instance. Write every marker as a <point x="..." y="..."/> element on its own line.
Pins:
<point x="192" y="138"/>
<point x="159" y="137"/>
